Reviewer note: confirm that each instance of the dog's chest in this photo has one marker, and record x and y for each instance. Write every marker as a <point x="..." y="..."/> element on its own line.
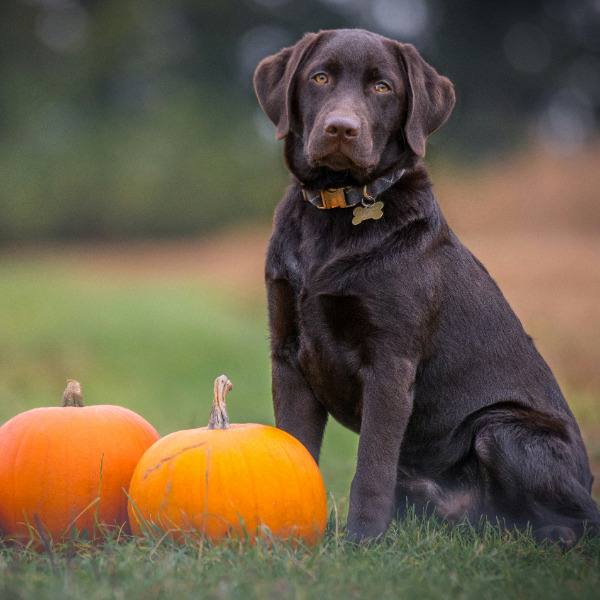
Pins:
<point x="334" y="322"/>
<point x="330" y="352"/>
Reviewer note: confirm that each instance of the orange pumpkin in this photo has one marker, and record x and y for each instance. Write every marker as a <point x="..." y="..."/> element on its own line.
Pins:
<point x="67" y="468"/>
<point x="240" y="479"/>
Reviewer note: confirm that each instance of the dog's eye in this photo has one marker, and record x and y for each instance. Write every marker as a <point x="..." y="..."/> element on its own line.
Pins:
<point x="382" y="87"/>
<point x="321" y="78"/>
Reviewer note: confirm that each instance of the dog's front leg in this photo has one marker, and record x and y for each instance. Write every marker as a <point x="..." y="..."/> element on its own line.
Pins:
<point x="297" y="410"/>
<point x="387" y="404"/>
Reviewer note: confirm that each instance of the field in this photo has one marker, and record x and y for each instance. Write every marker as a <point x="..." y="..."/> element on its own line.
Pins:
<point x="150" y="325"/>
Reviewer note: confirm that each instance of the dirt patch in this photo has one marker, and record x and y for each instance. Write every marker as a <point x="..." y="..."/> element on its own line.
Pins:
<point x="233" y="260"/>
<point x="553" y="284"/>
<point x="529" y="192"/>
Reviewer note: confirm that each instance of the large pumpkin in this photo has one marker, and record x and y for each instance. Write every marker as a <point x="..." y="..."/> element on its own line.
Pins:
<point x="67" y="468"/>
<point x="241" y="479"/>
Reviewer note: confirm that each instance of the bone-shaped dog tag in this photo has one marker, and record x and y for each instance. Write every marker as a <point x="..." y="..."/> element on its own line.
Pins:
<point x="362" y="213"/>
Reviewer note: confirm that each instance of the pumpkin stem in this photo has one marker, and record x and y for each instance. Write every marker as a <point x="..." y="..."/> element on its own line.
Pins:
<point x="218" y="416"/>
<point x="72" y="395"/>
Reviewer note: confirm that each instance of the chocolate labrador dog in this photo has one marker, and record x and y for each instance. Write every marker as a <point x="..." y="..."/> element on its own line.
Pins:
<point x="381" y="318"/>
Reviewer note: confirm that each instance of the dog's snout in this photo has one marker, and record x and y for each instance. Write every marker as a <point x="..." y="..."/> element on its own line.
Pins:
<point x="342" y="126"/>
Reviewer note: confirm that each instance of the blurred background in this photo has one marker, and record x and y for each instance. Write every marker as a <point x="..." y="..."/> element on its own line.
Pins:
<point x="138" y="177"/>
<point x="124" y="118"/>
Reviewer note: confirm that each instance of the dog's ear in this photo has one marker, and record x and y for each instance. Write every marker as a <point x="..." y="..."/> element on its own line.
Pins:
<point x="430" y="98"/>
<point x="273" y="82"/>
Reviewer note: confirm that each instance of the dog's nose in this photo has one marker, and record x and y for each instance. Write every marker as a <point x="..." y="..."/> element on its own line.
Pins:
<point x="342" y="126"/>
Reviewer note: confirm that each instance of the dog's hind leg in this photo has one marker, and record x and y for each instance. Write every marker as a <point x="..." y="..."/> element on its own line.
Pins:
<point x="536" y="472"/>
<point x="458" y="497"/>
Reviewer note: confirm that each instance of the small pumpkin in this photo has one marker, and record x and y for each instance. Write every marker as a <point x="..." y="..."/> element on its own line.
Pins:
<point x="240" y="479"/>
<point x="66" y="468"/>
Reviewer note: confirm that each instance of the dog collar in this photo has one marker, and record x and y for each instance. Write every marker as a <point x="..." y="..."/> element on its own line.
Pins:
<point x="346" y="197"/>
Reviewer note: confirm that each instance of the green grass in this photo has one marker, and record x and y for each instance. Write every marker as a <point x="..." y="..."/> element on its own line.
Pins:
<point x="156" y="347"/>
<point x="419" y="559"/>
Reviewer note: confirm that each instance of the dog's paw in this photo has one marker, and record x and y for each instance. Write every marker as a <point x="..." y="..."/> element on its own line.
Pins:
<point x="365" y="532"/>
<point x="353" y="539"/>
<point x="564" y="536"/>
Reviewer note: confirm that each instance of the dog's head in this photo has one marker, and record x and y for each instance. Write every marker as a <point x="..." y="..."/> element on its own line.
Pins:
<point x="352" y="103"/>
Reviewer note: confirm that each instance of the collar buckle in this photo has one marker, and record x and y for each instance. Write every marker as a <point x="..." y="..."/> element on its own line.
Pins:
<point x="334" y="198"/>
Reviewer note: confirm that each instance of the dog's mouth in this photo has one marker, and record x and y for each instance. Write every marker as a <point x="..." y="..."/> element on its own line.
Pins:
<point x="339" y="161"/>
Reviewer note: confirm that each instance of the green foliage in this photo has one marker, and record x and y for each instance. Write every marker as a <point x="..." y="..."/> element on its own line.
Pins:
<point x="150" y="174"/>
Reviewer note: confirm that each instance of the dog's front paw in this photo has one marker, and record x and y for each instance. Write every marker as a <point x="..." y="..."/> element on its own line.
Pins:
<point x="354" y="539"/>
<point x="365" y="531"/>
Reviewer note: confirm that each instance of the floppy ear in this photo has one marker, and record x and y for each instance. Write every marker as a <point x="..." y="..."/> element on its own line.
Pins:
<point x="273" y="83"/>
<point x="430" y="99"/>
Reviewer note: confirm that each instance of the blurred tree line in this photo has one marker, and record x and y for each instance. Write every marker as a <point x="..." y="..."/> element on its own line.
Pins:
<point x="136" y="118"/>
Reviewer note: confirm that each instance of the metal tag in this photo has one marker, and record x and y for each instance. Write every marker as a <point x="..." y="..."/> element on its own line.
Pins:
<point x="362" y="213"/>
